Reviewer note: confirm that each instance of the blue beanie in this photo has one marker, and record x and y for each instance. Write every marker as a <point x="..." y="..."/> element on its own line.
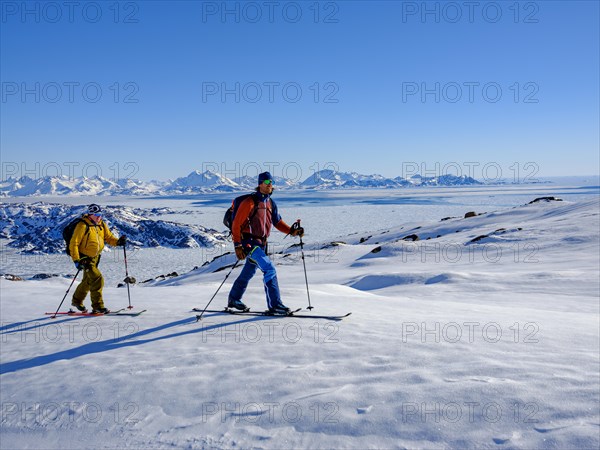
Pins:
<point x="264" y="176"/>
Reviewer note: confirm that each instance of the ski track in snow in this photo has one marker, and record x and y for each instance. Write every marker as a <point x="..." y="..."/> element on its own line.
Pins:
<point x="474" y="352"/>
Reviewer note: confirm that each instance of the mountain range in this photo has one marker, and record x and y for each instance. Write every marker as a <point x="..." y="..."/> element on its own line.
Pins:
<point x="208" y="181"/>
<point x="36" y="228"/>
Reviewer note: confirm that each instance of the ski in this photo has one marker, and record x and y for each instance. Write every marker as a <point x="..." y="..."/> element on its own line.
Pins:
<point x="318" y="316"/>
<point x="257" y="313"/>
<point x="291" y="313"/>
<point x="236" y="312"/>
<point x="247" y="312"/>
<point x="129" y="314"/>
<point x="77" y="313"/>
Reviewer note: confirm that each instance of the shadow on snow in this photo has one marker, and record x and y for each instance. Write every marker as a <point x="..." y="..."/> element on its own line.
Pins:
<point x="116" y="343"/>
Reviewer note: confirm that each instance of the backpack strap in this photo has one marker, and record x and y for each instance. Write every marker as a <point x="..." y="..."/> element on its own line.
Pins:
<point x="251" y="215"/>
<point x="255" y="209"/>
<point x="87" y="226"/>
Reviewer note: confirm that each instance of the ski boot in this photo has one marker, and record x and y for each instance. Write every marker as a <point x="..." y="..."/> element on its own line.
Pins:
<point x="237" y="304"/>
<point x="79" y="308"/>
<point x="280" y="310"/>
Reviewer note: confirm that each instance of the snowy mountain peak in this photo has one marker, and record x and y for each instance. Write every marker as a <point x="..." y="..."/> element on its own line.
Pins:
<point x="201" y="181"/>
<point x="210" y="181"/>
<point x="333" y="179"/>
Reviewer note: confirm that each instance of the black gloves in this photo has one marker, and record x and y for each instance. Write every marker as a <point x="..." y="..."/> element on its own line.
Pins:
<point x="82" y="263"/>
<point x="121" y="241"/>
<point x="296" y="229"/>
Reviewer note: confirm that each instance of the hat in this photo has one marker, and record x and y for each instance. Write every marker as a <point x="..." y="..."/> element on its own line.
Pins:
<point x="94" y="209"/>
<point x="264" y="176"/>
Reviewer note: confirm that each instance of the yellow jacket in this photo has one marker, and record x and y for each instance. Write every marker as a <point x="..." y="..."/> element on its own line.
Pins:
<point x="90" y="241"/>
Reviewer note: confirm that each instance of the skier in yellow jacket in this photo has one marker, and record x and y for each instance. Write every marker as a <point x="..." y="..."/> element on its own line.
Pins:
<point x="85" y="249"/>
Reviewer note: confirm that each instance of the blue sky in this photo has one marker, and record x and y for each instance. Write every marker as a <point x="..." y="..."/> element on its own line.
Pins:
<point x="508" y="85"/>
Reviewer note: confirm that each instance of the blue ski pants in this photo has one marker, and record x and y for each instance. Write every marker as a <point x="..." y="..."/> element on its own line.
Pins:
<point x="257" y="258"/>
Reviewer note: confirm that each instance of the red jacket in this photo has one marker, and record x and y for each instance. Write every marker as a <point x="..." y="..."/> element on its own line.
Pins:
<point x="258" y="227"/>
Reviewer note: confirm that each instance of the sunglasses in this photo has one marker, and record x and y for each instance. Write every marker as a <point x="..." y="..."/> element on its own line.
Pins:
<point x="267" y="182"/>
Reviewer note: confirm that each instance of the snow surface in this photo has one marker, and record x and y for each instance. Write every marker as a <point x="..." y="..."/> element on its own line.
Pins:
<point x="452" y="343"/>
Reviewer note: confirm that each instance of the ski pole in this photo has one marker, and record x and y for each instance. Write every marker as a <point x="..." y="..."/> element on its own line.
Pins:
<point x="305" y="277"/>
<point x="304" y="264"/>
<point x="219" y="288"/>
<point x="127" y="275"/>
<point x="66" y="293"/>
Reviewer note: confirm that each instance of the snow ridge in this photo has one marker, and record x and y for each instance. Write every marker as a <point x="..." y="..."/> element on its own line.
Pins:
<point x="37" y="228"/>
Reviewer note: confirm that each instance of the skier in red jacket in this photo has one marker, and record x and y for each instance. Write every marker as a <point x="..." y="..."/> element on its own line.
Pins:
<point x="250" y="230"/>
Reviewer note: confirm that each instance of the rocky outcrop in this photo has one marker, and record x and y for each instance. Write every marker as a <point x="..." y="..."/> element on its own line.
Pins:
<point x="545" y="199"/>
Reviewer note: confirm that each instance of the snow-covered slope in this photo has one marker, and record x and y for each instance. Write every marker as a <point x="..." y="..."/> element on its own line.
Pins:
<point x="37" y="228"/>
<point x="483" y="336"/>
